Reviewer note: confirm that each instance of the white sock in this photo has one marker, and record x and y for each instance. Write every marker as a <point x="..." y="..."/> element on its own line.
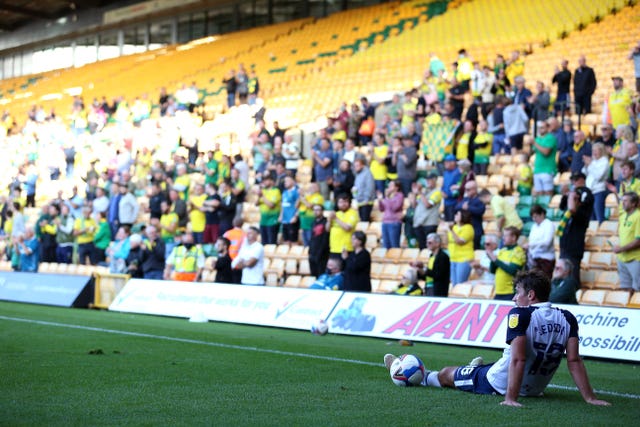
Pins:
<point x="432" y="379"/>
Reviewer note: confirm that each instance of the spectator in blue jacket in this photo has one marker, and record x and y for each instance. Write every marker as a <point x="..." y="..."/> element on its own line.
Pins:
<point x="332" y="279"/>
<point x="450" y="186"/>
<point x="472" y="203"/>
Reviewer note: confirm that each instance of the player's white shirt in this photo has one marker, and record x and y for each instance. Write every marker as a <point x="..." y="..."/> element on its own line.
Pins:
<point x="547" y="330"/>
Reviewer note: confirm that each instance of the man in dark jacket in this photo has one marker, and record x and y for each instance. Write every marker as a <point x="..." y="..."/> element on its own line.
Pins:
<point x="319" y="244"/>
<point x="472" y="203"/>
<point x="437" y="271"/>
<point x="357" y="265"/>
<point x="584" y="85"/>
<point x="153" y="254"/>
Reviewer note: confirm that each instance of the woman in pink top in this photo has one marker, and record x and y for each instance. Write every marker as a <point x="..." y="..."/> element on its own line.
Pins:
<point x="391" y="207"/>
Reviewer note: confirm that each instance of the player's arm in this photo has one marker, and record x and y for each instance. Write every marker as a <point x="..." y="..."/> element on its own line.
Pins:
<point x="579" y="374"/>
<point x="516" y="370"/>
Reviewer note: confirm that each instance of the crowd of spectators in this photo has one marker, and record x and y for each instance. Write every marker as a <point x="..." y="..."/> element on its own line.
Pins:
<point x="152" y="204"/>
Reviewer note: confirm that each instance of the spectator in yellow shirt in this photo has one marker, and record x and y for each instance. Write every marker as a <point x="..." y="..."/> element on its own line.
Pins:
<point x="197" y="213"/>
<point x="341" y="224"/>
<point x="84" y="229"/>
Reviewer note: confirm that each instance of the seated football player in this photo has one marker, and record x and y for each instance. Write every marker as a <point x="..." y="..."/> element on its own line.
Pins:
<point x="538" y="335"/>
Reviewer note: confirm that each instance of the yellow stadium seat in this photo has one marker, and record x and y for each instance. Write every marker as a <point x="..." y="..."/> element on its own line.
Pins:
<point x="293" y="281"/>
<point x="461" y="290"/>
<point x="607" y="280"/>
<point x="482" y="291"/>
<point x="634" y="302"/>
<point x="303" y="267"/>
<point x="617" y="298"/>
<point x="593" y="297"/>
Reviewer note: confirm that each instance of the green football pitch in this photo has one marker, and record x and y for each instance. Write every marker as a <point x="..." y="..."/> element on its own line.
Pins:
<point x="76" y="367"/>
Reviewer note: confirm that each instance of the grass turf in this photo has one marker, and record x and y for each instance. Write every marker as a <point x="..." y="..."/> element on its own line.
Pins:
<point x="226" y="374"/>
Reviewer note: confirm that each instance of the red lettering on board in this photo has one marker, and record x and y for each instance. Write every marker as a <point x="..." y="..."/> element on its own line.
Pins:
<point x="408" y="323"/>
<point x="501" y="314"/>
<point x="431" y="317"/>
<point x="473" y="322"/>
<point x="448" y="324"/>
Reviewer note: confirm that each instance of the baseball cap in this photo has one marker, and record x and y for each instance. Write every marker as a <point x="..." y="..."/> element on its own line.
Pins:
<point x="617" y="78"/>
<point x="449" y="158"/>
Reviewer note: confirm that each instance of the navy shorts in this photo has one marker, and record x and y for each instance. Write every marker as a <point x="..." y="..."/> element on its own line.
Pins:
<point x="473" y="379"/>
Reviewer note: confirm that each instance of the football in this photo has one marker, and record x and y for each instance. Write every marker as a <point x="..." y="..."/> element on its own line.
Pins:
<point x="320" y="328"/>
<point x="407" y="371"/>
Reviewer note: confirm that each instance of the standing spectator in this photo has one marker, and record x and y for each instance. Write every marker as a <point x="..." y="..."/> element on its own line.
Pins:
<point x="269" y="203"/>
<point x="540" y="248"/>
<point x="460" y="246"/>
<point x="506" y="264"/>
<point x="563" y="285"/>
<point x="357" y="265"/>
<point x="406" y="160"/>
<point x="185" y="262"/>
<point x="64" y="235"/>
<point x="516" y="123"/>
<point x="197" y="213"/>
<point x="596" y="169"/>
<point x="84" y="229"/>
<point x="341" y="224"/>
<point x="620" y="150"/>
<point x="101" y="240"/>
<point x="522" y="96"/>
<point x="540" y="102"/>
<point x="437" y="272"/>
<point x="27" y="246"/>
<point x="562" y="78"/>
<point x="101" y="202"/>
<point x="310" y="198"/>
<point x="118" y="251"/>
<point x="344" y="179"/>
<point x="224" y="272"/>
<point x="426" y="202"/>
<point x="634" y="55"/>
<point x="319" y="242"/>
<point x="168" y="225"/>
<point x="628" y="249"/>
<point x="250" y="259"/>
<point x="134" y="258"/>
<point x="482" y="146"/>
<point x="289" y="213"/>
<point x="579" y="149"/>
<point x="227" y="207"/>
<point x="291" y="154"/>
<point x="153" y="254"/>
<point x="242" y="81"/>
<point x="496" y="126"/>
<point x="378" y="166"/>
<point x="231" y="86"/>
<point x="572" y="228"/>
<point x="48" y="230"/>
<point x="254" y="87"/>
<point x="364" y="189"/>
<point x="323" y="166"/>
<point x="472" y="203"/>
<point x="450" y="186"/>
<point x="584" y="86"/>
<point x="210" y="209"/>
<point x="504" y="212"/>
<point x="544" y="167"/>
<point x="128" y="207"/>
<point x="391" y="207"/>
<point x="618" y="103"/>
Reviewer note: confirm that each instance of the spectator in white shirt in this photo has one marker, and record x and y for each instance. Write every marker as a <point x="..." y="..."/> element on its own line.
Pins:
<point x="540" y="250"/>
<point x="596" y="168"/>
<point x="250" y="259"/>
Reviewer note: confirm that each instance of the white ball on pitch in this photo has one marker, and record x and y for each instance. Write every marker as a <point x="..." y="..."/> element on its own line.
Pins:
<point x="407" y="371"/>
<point x="320" y="327"/>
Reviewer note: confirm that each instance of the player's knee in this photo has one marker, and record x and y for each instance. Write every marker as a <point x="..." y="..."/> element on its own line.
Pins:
<point x="445" y="376"/>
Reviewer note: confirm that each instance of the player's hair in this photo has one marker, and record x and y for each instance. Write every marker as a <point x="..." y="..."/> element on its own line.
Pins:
<point x="633" y="197"/>
<point x="361" y="237"/>
<point x="629" y="164"/>
<point x="534" y="280"/>
<point x="513" y="230"/>
<point x="537" y="210"/>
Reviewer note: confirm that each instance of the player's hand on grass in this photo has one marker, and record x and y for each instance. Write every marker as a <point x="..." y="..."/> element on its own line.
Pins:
<point x="509" y="402"/>
<point x="598" y="402"/>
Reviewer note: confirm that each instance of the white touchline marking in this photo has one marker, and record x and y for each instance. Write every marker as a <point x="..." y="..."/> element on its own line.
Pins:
<point x="256" y="349"/>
